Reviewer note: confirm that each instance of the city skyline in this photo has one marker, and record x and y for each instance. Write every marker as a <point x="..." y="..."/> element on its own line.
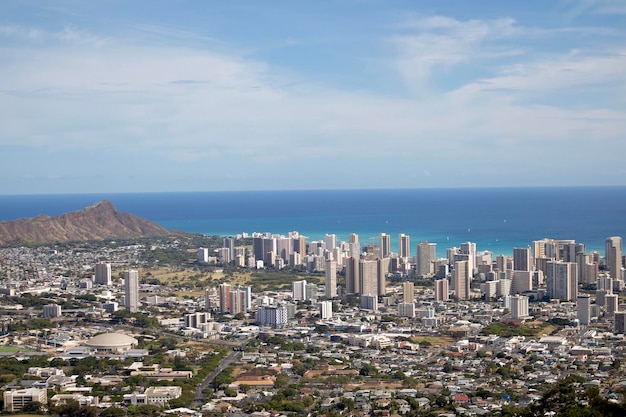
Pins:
<point x="249" y="96"/>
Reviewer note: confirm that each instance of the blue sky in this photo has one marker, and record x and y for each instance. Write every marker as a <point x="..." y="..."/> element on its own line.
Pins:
<point x="118" y="96"/>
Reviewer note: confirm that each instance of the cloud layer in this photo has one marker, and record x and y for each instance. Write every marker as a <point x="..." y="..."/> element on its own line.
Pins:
<point x="469" y="102"/>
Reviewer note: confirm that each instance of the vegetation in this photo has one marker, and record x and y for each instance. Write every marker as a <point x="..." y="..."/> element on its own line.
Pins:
<point x="533" y="329"/>
<point x="279" y="280"/>
<point x="568" y="398"/>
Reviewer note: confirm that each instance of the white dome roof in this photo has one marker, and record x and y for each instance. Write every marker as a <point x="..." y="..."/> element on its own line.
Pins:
<point x="111" y="340"/>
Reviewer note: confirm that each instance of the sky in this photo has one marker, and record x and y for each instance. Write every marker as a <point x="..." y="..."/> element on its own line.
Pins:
<point x="152" y="95"/>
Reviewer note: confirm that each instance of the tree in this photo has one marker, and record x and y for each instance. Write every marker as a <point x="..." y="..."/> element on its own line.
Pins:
<point x="147" y="410"/>
<point x="113" y="412"/>
<point x="33" y="407"/>
<point x="281" y="380"/>
<point x="368" y="370"/>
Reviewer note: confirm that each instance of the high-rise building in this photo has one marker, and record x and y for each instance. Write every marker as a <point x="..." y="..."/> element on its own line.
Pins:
<point x="611" y="304"/>
<point x="385" y="245"/>
<point x="569" y="249"/>
<point x="131" y="290"/>
<point x="382" y="268"/>
<point x="562" y="280"/>
<point x="223" y="291"/>
<point x="270" y="258"/>
<point x="583" y="307"/>
<point x="369" y="302"/>
<point x="368" y="277"/>
<point x="203" y="255"/>
<point x="521" y="259"/>
<point x="330" y="282"/>
<point x="469" y="248"/>
<point x="620" y="323"/>
<point x="311" y="291"/>
<point x="51" y="311"/>
<point x="102" y="273"/>
<point x="404" y="246"/>
<point x="519" y="307"/>
<point x="261" y="245"/>
<point x="545" y="248"/>
<point x="272" y="316"/>
<point x="229" y="243"/>
<point x="330" y="241"/>
<point x="613" y="256"/>
<point x="461" y="280"/>
<point x="298" y="292"/>
<point x="489" y="289"/>
<point x="326" y="310"/>
<point x="408" y="292"/>
<point x="196" y="320"/>
<point x="406" y="309"/>
<point x="441" y="290"/>
<point x="503" y="287"/>
<point x="425" y="254"/>
<point x="353" y="238"/>
<point x="521" y="281"/>
<point x="284" y="248"/>
<point x="299" y="245"/>
<point x="295" y="260"/>
<point x="353" y="283"/>
<point x="211" y="299"/>
<point x="238" y="301"/>
<point x="247" y="296"/>
<point x="354" y="249"/>
<point x="501" y="262"/>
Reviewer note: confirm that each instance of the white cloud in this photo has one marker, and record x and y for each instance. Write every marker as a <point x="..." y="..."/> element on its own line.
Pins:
<point x="194" y="109"/>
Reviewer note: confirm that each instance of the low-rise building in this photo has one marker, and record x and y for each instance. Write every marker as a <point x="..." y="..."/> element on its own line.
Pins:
<point x="15" y="400"/>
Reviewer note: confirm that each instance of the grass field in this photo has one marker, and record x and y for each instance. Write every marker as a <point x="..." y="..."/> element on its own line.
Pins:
<point x="7" y="349"/>
<point x="434" y="341"/>
<point x="192" y="281"/>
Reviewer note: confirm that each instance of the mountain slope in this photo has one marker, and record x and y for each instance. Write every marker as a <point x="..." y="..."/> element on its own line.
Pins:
<point x="99" y="221"/>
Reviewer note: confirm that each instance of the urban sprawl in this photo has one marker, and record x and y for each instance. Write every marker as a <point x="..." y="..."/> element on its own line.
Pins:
<point x="271" y="325"/>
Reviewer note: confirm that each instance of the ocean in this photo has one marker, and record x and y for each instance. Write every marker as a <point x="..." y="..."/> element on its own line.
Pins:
<point x="497" y="219"/>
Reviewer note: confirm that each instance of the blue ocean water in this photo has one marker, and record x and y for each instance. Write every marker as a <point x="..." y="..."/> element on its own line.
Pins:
<point x="497" y="219"/>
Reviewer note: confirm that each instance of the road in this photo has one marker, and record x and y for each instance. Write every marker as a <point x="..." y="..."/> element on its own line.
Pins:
<point x="198" y="397"/>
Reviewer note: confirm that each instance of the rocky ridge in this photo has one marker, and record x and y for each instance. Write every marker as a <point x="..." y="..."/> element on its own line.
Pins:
<point x="100" y="221"/>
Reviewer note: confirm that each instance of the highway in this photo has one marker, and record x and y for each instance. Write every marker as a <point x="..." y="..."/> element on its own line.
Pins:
<point x="198" y="397"/>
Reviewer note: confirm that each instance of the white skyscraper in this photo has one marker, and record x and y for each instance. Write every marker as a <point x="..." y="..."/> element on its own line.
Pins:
<point x="330" y="242"/>
<point x="425" y="254"/>
<point x="203" y="255"/>
<point x="330" y="283"/>
<point x="131" y="290"/>
<point x="562" y="280"/>
<point x="613" y="256"/>
<point x="385" y="245"/>
<point x="469" y="248"/>
<point x="326" y="310"/>
<point x="519" y="306"/>
<point x="299" y="290"/>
